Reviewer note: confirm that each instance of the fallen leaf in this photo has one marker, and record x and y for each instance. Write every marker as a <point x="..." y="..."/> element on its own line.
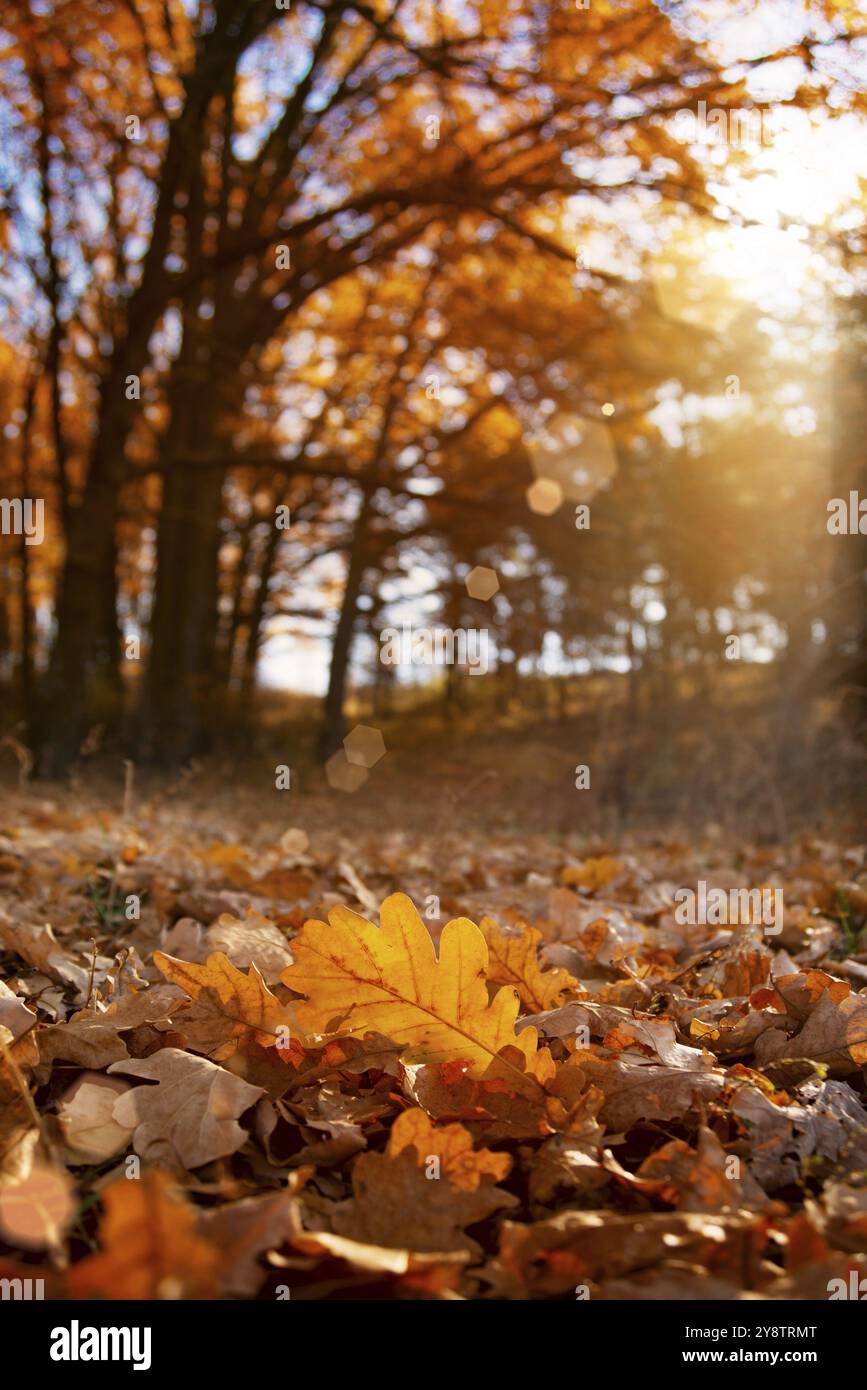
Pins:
<point x="637" y="1088"/>
<point x="464" y="1166"/>
<point x="35" y="1210"/>
<point x="702" y="1179"/>
<point x="243" y="1230"/>
<point x="14" y="1013"/>
<point x="423" y="1191"/>
<point x="830" y="1123"/>
<point x="593" y="874"/>
<point x="230" y="1007"/>
<point x="89" y="1040"/>
<point x="513" y="960"/>
<point x="191" y="1117"/>
<point x="835" y="1033"/>
<point x="19" y="1134"/>
<point x="360" y="978"/>
<point x="40" y="948"/>
<point x="87" y="1123"/>
<point x="150" y="1247"/>
<point x="549" y="1258"/>
<point x="429" y="1273"/>
<point x="251" y="940"/>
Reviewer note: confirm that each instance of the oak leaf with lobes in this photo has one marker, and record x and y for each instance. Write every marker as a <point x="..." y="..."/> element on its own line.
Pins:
<point x="229" y="1006"/>
<point x="514" y="961"/>
<point x="428" y="1185"/>
<point x="464" y="1166"/>
<point x="359" y="978"/>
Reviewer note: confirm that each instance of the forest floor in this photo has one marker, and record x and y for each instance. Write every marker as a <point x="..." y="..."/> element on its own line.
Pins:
<point x="654" y="1108"/>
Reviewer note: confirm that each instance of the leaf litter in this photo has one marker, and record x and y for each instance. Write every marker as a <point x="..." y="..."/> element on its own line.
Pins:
<point x="299" y="1065"/>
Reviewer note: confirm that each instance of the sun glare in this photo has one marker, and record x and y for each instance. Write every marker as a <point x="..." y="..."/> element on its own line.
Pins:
<point x="777" y="191"/>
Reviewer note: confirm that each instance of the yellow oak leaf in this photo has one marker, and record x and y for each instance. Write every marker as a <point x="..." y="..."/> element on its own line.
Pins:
<point x="464" y="1166"/>
<point x="422" y="1200"/>
<point x="359" y="978"/>
<point x="150" y="1247"/>
<point x="593" y="874"/>
<point x="230" y="1007"/>
<point x="513" y="960"/>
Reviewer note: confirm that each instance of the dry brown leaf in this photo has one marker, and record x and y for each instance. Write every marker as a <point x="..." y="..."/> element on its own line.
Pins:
<point x="191" y="1117"/>
<point x="830" y="1123"/>
<point x="637" y="1088"/>
<point x="835" y="1033"/>
<point x="157" y="1005"/>
<point x="251" y="940"/>
<point x="551" y="1257"/>
<point x="243" y="1230"/>
<point x="423" y="1191"/>
<point x="19" y="1132"/>
<point x="36" y="1209"/>
<point x="89" y="1040"/>
<point x="40" y="948"/>
<point x="86" y="1119"/>
<point x="575" y="1161"/>
<point x="14" y="1013"/>
<point x="500" y="1111"/>
<point x="702" y="1179"/>
<point x="433" y="1274"/>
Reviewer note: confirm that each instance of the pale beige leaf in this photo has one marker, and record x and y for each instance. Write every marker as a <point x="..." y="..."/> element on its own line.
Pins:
<point x="86" y="1118"/>
<point x="191" y="1117"/>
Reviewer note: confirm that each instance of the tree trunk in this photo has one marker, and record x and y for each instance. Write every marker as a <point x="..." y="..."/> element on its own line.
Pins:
<point x="82" y="608"/>
<point x="26" y="687"/>
<point x="228" y="641"/>
<point x="81" y="612"/>
<point x="257" y="615"/>
<point x="847" y="615"/>
<point x="333" y="727"/>
<point x="181" y="671"/>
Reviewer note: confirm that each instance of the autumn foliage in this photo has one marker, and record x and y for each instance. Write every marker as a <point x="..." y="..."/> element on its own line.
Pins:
<point x="581" y="1096"/>
<point x="417" y="449"/>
